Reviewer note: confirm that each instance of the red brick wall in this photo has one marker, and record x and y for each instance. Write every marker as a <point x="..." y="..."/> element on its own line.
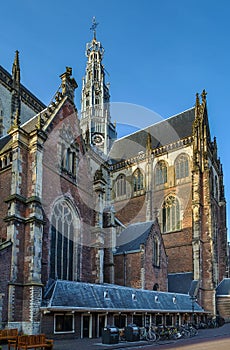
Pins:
<point x="129" y="267"/>
<point x="128" y="270"/>
<point x="5" y="184"/>
<point x="131" y="210"/>
<point x="5" y="260"/>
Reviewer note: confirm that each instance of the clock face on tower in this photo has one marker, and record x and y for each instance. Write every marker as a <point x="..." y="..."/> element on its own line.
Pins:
<point x="97" y="139"/>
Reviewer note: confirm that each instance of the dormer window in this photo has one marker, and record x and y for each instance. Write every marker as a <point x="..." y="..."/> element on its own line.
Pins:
<point x="134" y="297"/>
<point x="156" y="299"/>
<point x="106" y="294"/>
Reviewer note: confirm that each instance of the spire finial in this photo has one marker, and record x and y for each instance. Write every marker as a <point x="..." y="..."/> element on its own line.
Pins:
<point x="16" y="68"/>
<point x="94" y="27"/>
<point x="148" y="143"/>
<point x="197" y="100"/>
<point x="203" y="95"/>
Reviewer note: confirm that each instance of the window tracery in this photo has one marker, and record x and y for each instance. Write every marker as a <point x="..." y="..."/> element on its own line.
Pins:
<point x="161" y="173"/>
<point x="170" y="214"/>
<point x="64" y="234"/>
<point x="182" y="166"/>
<point x="120" y="187"/>
<point x="138" y="181"/>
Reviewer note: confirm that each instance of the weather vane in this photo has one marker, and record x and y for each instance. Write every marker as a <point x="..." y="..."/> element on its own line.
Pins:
<point x="94" y="26"/>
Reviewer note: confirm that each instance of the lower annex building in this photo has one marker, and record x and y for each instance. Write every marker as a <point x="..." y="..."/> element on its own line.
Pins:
<point x="96" y="230"/>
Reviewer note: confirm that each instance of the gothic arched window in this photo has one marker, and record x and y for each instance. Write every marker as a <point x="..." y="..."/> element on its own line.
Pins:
<point x="182" y="166"/>
<point x="170" y="214"/>
<point x="156" y="252"/>
<point x="64" y="234"/>
<point x="161" y="173"/>
<point x="69" y="159"/>
<point x="120" y="185"/>
<point x="138" y="181"/>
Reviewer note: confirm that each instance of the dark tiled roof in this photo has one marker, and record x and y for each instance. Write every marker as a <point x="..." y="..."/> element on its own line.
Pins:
<point x="4" y="140"/>
<point x="133" y="236"/>
<point x="162" y="133"/>
<point x="223" y="288"/>
<point x="67" y="295"/>
<point x="181" y="283"/>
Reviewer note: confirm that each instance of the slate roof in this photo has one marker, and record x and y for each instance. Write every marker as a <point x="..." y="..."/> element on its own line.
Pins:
<point x="133" y="236"/>
<point x="223" y="289"/>
<point x="3" y="141"/>
<point x="182" y="283"/>
<point x="163" y="133"/>
<point x="79" y="296"/>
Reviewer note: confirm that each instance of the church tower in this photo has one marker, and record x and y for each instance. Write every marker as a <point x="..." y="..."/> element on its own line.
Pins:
<point x="97" y="129"/>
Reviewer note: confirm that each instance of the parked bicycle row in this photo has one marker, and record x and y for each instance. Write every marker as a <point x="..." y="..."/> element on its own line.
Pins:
<point x="156" y="333"/>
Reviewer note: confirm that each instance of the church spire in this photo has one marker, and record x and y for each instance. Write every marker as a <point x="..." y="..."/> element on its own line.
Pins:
<point x="16" y="94"/>
<point x="94" y="27"/>
<point x="95" y="109"/>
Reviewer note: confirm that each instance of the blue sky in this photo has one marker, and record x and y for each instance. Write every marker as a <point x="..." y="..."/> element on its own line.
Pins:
<point x="158" y="53"/>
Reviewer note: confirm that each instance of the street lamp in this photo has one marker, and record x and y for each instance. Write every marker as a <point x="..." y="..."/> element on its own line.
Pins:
<point x="193" y="299"/>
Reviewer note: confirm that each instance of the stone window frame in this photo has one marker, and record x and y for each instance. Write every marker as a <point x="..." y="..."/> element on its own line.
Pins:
<point x="69" y="159"/>
<point x="120" y="185"/>
<point x="161" y="173"/>
<point x="138" y="184"/>
<point x="170" y="214"/>
<point x="181" y="166"/>
<point x="64" y="240"/>
<point x="156" y="251"/>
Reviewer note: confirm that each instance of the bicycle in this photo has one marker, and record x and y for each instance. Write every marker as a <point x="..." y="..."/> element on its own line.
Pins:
<point x="148" y="333"/>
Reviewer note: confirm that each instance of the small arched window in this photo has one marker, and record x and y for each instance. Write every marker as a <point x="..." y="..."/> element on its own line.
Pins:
<point x="182" y="166"/>
<point x="138" y="181"/>
<point x="120" y="185"/>
<point x="161" y="173"/>
<point x="156" y="252"/>
<point x="170" y="214"/>
<point x="69" y="158"/>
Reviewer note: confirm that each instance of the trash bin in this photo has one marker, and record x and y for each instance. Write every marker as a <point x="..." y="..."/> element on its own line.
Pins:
<point x="132" y="333"/>
<point x="110" y="335"/>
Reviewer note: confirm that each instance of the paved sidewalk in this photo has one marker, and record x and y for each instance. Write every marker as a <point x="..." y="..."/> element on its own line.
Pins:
<point x="96" y="344"/>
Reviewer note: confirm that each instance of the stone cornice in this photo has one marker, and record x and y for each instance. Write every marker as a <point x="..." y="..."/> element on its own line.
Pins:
<point x="5" y="244"/>
<point x="24" y="200"/>
<point x="155" y="152"/>
<point x="23" y="220"/>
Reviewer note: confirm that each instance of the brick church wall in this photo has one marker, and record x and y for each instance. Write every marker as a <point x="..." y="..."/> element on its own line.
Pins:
<point x="132" y="210"/>
<point x="5" y="183"/>
<point x="5" y="260"/>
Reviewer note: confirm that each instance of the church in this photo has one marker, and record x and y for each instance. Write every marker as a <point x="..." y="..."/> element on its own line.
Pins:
<point x="97" y="230"/>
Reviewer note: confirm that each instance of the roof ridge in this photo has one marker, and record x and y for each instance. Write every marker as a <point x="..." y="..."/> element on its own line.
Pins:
<point x="157" y="123"/>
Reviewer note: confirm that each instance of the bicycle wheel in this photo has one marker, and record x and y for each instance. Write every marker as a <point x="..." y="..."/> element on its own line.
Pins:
<point x="151" y="336"/>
